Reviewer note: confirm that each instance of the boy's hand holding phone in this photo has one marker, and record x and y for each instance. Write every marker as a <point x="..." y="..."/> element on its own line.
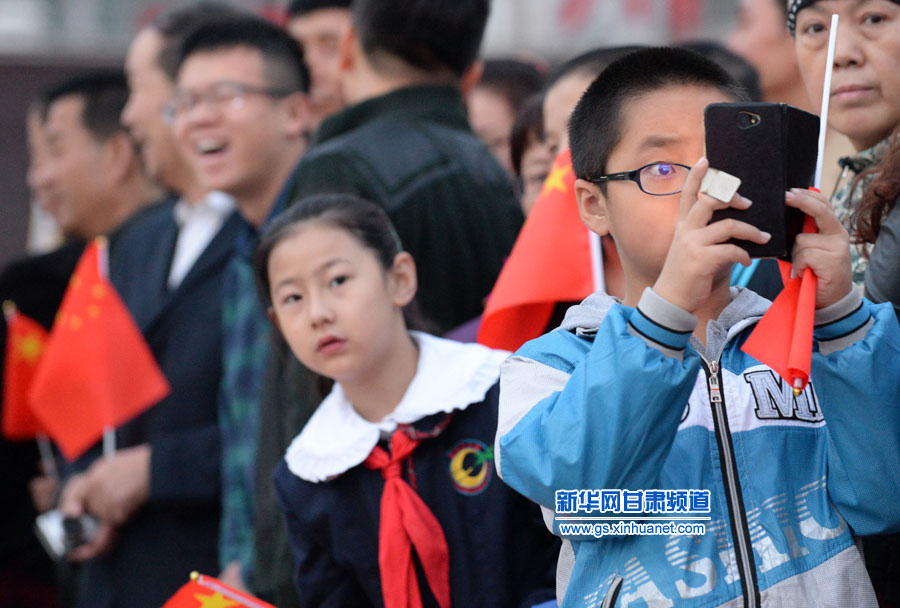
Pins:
<point x="826" y="253"/>
<point x="699" y="250"/>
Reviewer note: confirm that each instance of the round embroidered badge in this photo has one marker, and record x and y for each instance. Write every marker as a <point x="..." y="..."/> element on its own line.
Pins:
<point x="471" y="462"/>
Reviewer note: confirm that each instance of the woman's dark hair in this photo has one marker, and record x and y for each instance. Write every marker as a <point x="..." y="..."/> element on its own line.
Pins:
<point x="528" y="127"/>
<point x="514" y="80"/>
<point x="739" y="68"/>
<point x="880" y="196"/>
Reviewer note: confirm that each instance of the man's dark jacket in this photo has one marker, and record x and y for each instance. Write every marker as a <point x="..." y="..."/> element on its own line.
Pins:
<point x="35" y="285"/>
<point x="176" y="531"/>
<point x="413" y="152"/>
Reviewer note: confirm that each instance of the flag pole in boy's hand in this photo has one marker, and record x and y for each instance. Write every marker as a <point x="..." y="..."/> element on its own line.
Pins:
<point x="826" y="98"/>
<point x="809" y="225"/>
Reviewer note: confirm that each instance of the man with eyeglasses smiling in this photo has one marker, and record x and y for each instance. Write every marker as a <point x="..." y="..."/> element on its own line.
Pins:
<point x="240" y="114"/>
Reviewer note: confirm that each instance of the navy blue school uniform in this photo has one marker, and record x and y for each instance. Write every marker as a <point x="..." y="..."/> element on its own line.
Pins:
<point x="500" y="552"/>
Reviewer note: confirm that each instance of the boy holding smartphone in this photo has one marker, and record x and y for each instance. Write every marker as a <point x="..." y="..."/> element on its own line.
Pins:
<point x="655" y="394"/>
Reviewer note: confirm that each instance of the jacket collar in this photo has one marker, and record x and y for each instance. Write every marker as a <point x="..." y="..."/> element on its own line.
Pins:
<point x="449" y="377"/>
<point x="745" y="307"/>
<point x="441" y="103"/>
<point x="864" y="159"/>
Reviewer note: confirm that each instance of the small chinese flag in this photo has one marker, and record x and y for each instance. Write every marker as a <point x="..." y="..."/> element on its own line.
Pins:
<point x="206" y="592"/>
<point x="551" y="262"/>
<point x="783" y="338"/>
<point x="97" y="371"/>
<point x="25" y="342"/>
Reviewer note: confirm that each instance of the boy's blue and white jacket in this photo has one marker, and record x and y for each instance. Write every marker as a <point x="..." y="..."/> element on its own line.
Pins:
<point x="620" y="398"/>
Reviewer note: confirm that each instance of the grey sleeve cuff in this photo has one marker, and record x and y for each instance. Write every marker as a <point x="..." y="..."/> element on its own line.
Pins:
<point x="842" y="308"/>
<point x="661" y="324"/>
<point x="842" y="324"/>
<point x="661" y="311"/>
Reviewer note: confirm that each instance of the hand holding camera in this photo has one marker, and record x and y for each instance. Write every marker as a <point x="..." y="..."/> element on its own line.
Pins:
<point x="85" y="536"/>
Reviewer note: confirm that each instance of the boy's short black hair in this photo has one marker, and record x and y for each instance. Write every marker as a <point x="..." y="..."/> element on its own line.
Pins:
<point x="282" y="56"/>
<point x="175" y="25"/>
<point x="426" y="34"/>
<point x="596" y="124"/>
<point x="105" y="94"/>
<point x="590" y="63"/>
<point x="296" y="8"/>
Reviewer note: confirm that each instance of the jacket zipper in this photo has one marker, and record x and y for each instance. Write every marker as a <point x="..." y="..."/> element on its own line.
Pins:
<point x="739" y="529"/>
<point x="612" y="594"/>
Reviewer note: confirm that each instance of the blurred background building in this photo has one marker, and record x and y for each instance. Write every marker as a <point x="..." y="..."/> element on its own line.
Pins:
<point x="43" y="41"/>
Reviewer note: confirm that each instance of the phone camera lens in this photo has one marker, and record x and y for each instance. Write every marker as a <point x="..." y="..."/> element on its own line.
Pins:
<point x="745" y="120"/>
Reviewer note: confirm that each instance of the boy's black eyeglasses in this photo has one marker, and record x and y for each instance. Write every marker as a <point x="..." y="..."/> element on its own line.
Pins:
<point x="655" y="179"/>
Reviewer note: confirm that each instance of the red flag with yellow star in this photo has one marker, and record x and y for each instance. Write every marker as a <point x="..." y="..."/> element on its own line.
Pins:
<point x="25" y="341"/>
<point x="551" y="262"/>
<point x="207" y="592"/>
<point x="97" y="371"/>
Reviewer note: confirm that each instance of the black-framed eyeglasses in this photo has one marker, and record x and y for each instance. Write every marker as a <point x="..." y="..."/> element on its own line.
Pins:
<point x="655" y="179"/>
<point x="219" y="95"/>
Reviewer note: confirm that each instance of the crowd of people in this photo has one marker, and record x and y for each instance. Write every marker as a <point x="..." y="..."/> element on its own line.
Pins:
<point x="300" y="219"/>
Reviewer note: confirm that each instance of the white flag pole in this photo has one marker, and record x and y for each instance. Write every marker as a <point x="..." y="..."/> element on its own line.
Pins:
<point x="48" y="462"/>
<point x="826" y="98"/>
<point x="823" y="128"/>
<point x="109" y="441"/>
<point x="597" y="261"/>
<point x="109" y="432"/>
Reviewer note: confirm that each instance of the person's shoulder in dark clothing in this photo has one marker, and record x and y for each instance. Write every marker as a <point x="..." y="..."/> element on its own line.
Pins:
<point x="394" y="138"/>
<point x="36" y="284"/>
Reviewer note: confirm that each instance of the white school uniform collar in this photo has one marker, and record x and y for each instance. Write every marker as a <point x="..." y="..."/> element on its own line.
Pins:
<point x="449" y="376"/>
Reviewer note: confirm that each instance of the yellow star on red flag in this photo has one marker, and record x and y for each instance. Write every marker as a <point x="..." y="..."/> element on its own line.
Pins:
<point x="216" y="600"/>
<point x="25" y="339"/>
<point x="28" y="348"/>
<point x="533" y="281"/>
<point x="556" y="181"/>
<point x="212" y="593"/>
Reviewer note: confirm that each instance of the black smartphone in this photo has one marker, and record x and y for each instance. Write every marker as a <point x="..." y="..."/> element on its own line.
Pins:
<point x="772" y="148"/>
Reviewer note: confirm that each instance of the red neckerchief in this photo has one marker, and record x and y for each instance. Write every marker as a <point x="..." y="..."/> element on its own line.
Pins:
<point x="407" y="522"/>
